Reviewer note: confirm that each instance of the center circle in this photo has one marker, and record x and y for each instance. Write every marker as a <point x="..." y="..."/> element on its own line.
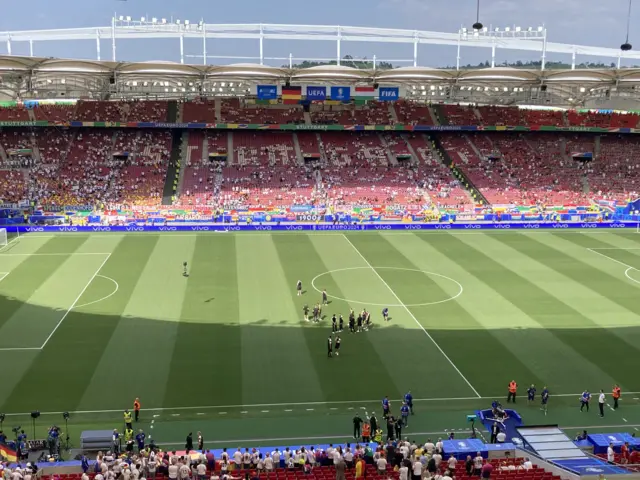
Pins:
<point x="632" y="274"/>
<point x="459" y="287"/>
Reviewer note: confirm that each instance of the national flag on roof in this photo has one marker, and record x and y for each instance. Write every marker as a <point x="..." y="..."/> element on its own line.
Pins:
<point x="365" y="93"/>
<point x="291" y="95"/>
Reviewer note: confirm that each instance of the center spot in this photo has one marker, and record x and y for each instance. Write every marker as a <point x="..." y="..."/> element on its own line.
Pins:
<point x="414" y="287"/>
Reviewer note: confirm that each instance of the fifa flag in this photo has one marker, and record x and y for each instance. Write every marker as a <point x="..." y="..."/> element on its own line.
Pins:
<point x="7" y="453"/>
<point x="291" y="95"/>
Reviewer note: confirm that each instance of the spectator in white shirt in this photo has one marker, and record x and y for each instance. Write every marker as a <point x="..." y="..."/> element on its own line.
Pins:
<point x="611" y="455"/>
<point x="439" y="446"/>
<point x="404" y="472"/>
<point x="268" y="463"/>
<point x="173" y="472"/>
<point x="477" y="464"/>
<point x="451" y="463"/>
<point x="382" y="465"/>
<point x="438" y="459"/>
<point x="201" y="470"/>
<point x="417" y="470"/>
<point x="601" y="401"/>
<point x="527" y="465"/>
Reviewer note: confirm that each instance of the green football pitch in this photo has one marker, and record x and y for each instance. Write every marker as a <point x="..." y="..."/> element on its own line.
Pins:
<point x="88" y="322"/>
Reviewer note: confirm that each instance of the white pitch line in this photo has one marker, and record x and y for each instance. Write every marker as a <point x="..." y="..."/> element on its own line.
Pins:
<point x="76" y="300"/>
<point x="4" y="275"/>
<point x="103" y="298"/>
<point x="10" y="242"/>
<point x="310" y="409"/>
<point x="294" y="404"/>
<point x="629" y="267"/>
<point x="288" y="410"/>
<point x="624" y="419"/>
<point x="264" y="411"/>
<point x="414" y="317"/>
<point x="51" y="254"/>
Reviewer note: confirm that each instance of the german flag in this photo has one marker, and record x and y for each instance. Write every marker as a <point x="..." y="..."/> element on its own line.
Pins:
<point x="7" y="453"/>
<point x="291" y="95"/>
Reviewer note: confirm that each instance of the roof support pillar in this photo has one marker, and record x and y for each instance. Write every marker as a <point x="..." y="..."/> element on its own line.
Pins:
<point x="415" y="49"/>
<point x="98" y="44"/>
<point x="544" y="51"/>
<point x="204" y="44"/>
<point x="113" y="39"/>
<point x="261" y="45"/>
<point x="458" y="55"/>
<point x="31" y="48"/>
<point x="493" y="56"/>
<point x="182" y="49"/>
<point x="338" y="54"/>
<point x="9" y="45"/>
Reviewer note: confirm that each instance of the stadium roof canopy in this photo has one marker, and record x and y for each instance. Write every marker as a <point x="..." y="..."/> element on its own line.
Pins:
<point x="33" y="77"/>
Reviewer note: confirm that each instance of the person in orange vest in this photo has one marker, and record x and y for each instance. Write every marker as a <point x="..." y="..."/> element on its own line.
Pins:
<point x="136" y="408"/>
<point x="513" y="387"/>
<point x="616" y="396"/>
<point x="366" y="432"/>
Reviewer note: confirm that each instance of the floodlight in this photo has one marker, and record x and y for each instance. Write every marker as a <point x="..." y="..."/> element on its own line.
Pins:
<point x="570" y="99"/>
<point x="496" y="89"/>
<point x="518" y="29"/>
<point x="432" y="87"/>
<point x="166" y="90"/>
<point x="507" y="29"/>
<point x="223" y="84"/>
<point x="231" y="85"/>
<point x="476" y="33"/>
<point x="135" y="84"/>
<point x="219" y="89"/>
<point x="142" y="19"/>
<point x="128" y="18"/>
<point x="178" y="22"/>
<point x="540" y="29"/>
<point x="582" y="89"/>
<point x="121" y="18"/>
<point x="186" y="22"/>
<point x="485" y="29"/>
<point x="422" y="87"/>
<point x="505" y="89"/>
<point x="424" y="93"/>
<point x="497" y="29"/>
<point x="154" y="20"/>
<point x="464" y="29"/>
<point x="145" y="84"/>
<point x="530" y="29"/>
<point x="164" y="20"/>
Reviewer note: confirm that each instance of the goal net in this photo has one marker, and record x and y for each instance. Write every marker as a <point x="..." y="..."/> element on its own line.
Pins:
<point x="3" y="237"/>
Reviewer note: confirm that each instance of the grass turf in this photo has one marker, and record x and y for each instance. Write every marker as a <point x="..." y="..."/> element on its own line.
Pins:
<point x="89" y="322"/>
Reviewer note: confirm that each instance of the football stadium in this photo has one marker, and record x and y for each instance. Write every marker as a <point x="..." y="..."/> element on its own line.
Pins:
<point x="318" y="267"/>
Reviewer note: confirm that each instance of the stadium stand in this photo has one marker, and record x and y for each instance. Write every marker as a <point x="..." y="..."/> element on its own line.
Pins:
<point x="12" y="114"/>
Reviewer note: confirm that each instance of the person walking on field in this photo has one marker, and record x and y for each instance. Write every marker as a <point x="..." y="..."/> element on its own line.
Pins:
<point x="616" y="396"/>
<point x="357" y="423"/>
<point x="136" y="409"/>
<point x="601" y="401"/>
<point x="513" y="388"/>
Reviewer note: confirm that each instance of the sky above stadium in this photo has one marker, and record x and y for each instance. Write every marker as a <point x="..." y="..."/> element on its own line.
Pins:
<point x="587" y="22"/>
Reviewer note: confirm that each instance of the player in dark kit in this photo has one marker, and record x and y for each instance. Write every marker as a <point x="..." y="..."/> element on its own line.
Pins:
<point x="299" y="287"/>
<point x="352" y="322"/>
<point x="359" y="322"/>
<point x="334" y="324"/>
<point x="385" y="314"/>
<point x="341" y="323"/>
<point x="184" y="270"/>
<point x="329" y="347"/>
<point x="324" y="297"/>
<point x="338" y="341"/>
<point x="316" y="311"/>
<point x="305" y="312"/>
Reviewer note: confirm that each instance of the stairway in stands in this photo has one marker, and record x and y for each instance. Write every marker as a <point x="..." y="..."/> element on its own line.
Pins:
<point x="464" y="180"/>
<point x="173" y="171"/>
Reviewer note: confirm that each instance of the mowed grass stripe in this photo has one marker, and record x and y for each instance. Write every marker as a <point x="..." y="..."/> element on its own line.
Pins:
<point x="273" y="347"/>
<point x="491" y="329"/>
<point x="64" y="369"/>
<point x="527" y="296"/>
<point x="145" y="337"/>
<point x="28" y="273"/>
<point x="302" y="258"/>
<point x="559" y="275"/>
<point x="208" y="342"/>
<point x="416" y="346"/>
<point x="36" y="319"/>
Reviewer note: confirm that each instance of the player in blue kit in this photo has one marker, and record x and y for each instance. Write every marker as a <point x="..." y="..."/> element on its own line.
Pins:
<point x="404" y="414"/>
<point x="531" y="394"/>
<point x="386" y="407"/>
<point x="385" y="314"/>
<point x="408" y="399"/>
<point x="545" y="399"/>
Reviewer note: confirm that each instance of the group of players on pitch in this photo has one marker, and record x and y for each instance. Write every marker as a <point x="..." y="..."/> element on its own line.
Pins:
<point x="361" y="323"/>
